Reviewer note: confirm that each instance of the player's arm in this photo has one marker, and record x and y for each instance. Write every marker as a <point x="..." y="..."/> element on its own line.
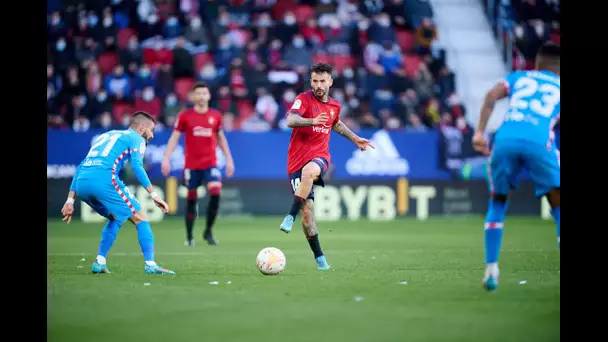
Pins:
<point x="137" y="165"/>
<point x="295" y="120"/>
<point x="340" y="128"/>
<point x="222" y="142"/>
<point x="172" y="144"/>
<point x="294" y="115"/>
<point x="68" y="208"/>
<point x="499" y="91"/>
<point x="362" y="143"/>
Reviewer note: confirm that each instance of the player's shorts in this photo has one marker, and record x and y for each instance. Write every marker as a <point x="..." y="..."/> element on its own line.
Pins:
<point x="510" y="158"/>
<point x="108" y="199"/>
<point x="195" y="178"/>
<point x="296" y="178"/>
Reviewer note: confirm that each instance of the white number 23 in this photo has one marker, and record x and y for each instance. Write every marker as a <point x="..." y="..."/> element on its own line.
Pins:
<point x="526" y="87"/>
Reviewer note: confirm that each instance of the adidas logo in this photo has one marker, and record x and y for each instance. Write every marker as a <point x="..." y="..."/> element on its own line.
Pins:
<point x="382" y="161"/>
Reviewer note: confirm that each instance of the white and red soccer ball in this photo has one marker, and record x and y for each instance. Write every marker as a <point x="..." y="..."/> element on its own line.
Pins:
<point x="270" y="261"/>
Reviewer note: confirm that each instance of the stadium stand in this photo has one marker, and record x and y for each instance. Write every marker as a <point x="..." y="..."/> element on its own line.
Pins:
<point x="108" y="57"/>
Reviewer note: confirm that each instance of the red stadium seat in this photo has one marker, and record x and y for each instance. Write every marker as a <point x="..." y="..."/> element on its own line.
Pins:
<point x="200" y="60"/>
<point x="412" y="64"/>
<point x="303" y="12"/>
<point x="123" y="37"/>
<point x="182" y="87"/>
<point x="119" y="110"/>
<point x="341" y="62"/>
<point x="153" y="107"/>
<point x="107" y="61"/>
<point x="406" y="40"/>
<point x="321" y="59"/>
<point x="281" y="7"/>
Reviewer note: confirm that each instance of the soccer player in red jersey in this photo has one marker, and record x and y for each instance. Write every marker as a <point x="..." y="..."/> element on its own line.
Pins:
<point x="202" y="127"/>
<point x="312" y="117"/>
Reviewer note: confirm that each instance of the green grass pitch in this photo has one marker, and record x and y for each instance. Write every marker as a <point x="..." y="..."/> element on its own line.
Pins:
<point x="362" y="298"/>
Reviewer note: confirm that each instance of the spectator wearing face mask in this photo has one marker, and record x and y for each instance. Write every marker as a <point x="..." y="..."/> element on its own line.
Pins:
<point x="171" y="109"/>
<point x="63" y="54"/>
<point x="151" y="27"/>
<point x="105" y="121"/>
<point x="196" y="33"/>
<point x="172" y="29"/>
<point x="381" y="29"/>
<point x="109" y="29"/>
<point x="183" y="62"/>
<point x="297" y="53"/>
<point x="149" y="103"/>
<point x="142" y="79"/>
<point x="93" y="78"/>
<point x="99" y="103"/>
<point x="266" y="106"/>
<point x="118" y="83"/>
<point x="55" y="27"/>
<point x="210" y="74"/>
<point x="225" y="52"/>
<point x="286" y="29"/>
<point x="132" y="53"/>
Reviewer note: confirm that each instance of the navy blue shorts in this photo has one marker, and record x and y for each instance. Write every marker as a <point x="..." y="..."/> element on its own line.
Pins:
<point x="195" y="178"/>
<point x="296" y="177"/>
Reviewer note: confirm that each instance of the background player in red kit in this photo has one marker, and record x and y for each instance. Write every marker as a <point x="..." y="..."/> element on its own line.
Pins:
<point x="312" y="116"/>
<point x="203" y="129"/>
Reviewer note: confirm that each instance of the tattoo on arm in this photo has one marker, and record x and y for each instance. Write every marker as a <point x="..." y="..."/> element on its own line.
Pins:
<point x="295" y="120"/>
<point x="344" y="131"/>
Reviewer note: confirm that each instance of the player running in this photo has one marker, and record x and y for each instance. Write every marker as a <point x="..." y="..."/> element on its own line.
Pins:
<point x="312" y="116"/>
<point x="525" y="140"/>
<point x="96" y="182"/>
<point x="203" y="129"/>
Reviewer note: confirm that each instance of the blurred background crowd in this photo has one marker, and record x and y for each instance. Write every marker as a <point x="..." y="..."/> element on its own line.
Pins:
<point x="107" y="58"/>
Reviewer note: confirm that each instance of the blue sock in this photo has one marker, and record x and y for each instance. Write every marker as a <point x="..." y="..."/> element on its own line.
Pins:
<point x="555" y="214"/>
<point x="108" y="236"/>
<point x="146" y="240"/>
<point x="493" y="229"/>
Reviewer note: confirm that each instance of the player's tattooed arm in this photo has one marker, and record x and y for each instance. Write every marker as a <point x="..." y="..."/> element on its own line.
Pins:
<point x="498" y="92"/>
<point x="344" y="131"/>
<point x="295" y="120"/>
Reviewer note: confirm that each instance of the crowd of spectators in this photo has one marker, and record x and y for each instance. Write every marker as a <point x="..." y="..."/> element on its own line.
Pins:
<point x="107" y="58"/>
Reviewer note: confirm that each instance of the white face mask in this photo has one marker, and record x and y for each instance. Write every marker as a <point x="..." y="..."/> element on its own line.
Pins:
<point x="363" y="25"/>
<point x="106" y="121"/>
<point x="392" y="123"/>
<point x="384" y="22"/>
<point x="298" y="42"/>
<point x="290" y="20"/>
<point x="171" y="101"/>
<point x="102" y="97"/>
<point x="289" y="96"/>
<point x="125" y="120"/>
<point x="152" y="19"/>
<point x="107" y="22"/>
<point x="148" y="95"/>
<point x="519" y="31"/>
<point x="540" y="29"/>
<point x="195" y="23"/>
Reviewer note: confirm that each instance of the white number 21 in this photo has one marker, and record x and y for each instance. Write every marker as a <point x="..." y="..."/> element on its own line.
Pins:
<point x="107" y="138"/>
<point x="526" y="87"/>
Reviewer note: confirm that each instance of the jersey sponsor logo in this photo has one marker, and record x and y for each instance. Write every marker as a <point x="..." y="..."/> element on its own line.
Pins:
<point x="199" y="131"/>
<point x="297" y="104"/>
<point x="320" y="129"/>
<point x="382" y="161"/>
<point x="142" y="148"/>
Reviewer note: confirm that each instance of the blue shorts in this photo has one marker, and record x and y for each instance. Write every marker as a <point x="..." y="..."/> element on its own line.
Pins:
<point x="510" y="158"/>
<point x="195" y="178"/>
<point x="111" y="199"/>
<point x="296" y="177"/>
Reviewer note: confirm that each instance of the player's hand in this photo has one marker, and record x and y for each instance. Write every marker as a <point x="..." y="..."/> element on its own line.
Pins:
<point x="363" y="143"/>
<point x="165" y="168"/>
<point x="229" y="168"/>
<point x="321" y="119"/>
<point x="480" y="144"/>
<point x="67" y="211"/>
<point x="164" y="207"/>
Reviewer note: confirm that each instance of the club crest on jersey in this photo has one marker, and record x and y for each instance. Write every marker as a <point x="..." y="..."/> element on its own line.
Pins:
<point x="199" y="131"/>
<point x="211" y="120"/>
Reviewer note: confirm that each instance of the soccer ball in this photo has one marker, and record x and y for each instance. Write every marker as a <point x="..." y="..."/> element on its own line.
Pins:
<point x="270" y="261"/>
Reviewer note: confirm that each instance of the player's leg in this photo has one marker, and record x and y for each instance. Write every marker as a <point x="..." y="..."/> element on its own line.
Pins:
<point x="302" y="182"/>
<point x="503" y="170"/>
<point x="122" y="205"/>
<point x="192" y="181"/>
<point x="215" y="189"/>
<point x="86" y="191"/>
<point x="212" y="177"/>
<point x="544" y="169"/>
<point x="309" y="226"/>
<point x="146" y="243"/>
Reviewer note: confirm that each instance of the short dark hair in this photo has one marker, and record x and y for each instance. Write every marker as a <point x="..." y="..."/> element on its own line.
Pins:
<point x="550" y="50"/>
<point x="320" y="68"/>
<point x="139" y="116"/>
<point x="547" y="57"/>
<point x="199" y="84"/>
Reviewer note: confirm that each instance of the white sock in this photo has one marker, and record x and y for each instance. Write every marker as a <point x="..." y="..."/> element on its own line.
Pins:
<point x="101" y="260"/>
<point x="151" y="263"/>
<point x="491" y="270"/>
